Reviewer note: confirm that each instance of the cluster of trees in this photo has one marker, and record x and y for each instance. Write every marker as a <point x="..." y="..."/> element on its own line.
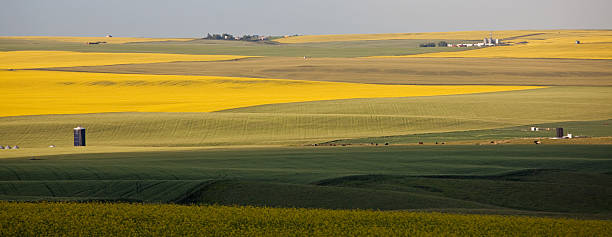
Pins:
<point x="432" y="44"/>
<point x="252" y="38"/>
<point x="220" y="37"/>
<point x="427" y="45"/>
<point x="226" y="36"/>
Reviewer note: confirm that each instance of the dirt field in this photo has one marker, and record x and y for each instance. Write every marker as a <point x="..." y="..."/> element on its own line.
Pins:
<point x="453" y="71"/>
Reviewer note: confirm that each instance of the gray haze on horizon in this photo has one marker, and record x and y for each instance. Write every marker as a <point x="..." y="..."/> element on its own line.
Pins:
<point x="192" y="18"/>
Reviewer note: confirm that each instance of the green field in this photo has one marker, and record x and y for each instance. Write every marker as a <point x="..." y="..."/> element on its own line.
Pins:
<point x="316" y="122"/>
<point x="590" y="129"/>
<point x="394" y="177"/>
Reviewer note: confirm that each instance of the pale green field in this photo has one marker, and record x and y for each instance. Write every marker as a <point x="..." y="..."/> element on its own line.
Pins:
<point x="313" y="122"/>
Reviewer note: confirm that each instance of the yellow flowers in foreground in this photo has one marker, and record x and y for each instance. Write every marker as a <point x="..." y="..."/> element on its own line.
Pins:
<point x="109" y="40"/>
<point x="30" y="92"/>
<point x="100" y="219"/>
<point x="47" y="59"/>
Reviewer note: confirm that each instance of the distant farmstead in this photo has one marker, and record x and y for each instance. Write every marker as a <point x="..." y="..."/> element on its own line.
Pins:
<point x="490" y="41"/>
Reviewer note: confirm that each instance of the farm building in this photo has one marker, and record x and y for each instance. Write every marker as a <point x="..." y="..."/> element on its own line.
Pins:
<point x="560" y="132"/>
<point x="485" y="42"/>
<point x="79" y="136"/>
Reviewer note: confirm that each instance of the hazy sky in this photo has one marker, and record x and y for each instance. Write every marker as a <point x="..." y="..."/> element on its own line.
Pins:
<point x="191" y="18"/>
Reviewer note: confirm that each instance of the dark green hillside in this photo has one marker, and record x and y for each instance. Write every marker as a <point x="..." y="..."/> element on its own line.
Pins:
<point x="536" y="190"/>
<point x="574" y="179"/>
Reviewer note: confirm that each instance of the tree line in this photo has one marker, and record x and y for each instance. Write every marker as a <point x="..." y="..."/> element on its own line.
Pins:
<point x="226" y="36"/>
<point x="432" y="44"/>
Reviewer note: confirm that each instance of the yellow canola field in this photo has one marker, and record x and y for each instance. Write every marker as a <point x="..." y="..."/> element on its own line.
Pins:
<point x="47" y="59"/>
<point x="108" y="40"/>
<point x="32" y="92"/>
<point x="125" y="219"/>
<point x="458" y="35"/>
<point x="593" y="45"/>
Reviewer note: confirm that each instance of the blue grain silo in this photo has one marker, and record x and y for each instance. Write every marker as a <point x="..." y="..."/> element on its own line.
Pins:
<point x="79" y="136"/>
<point x="560" y="132"/>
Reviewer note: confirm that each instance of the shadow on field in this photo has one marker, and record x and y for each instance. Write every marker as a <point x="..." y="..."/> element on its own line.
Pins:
<point x="532" y="190"/>
<point x="547" y="192"/>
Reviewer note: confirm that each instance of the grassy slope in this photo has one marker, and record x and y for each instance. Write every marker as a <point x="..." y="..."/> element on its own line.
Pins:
<point x="313" y="196"/>
<point x="303" y="165"/>
<point x="333" y="49"/>
<point x="529" y="190"/>
<point x="454" y="71"/>
<point x="519" y="107"/>
<point x="300" y="177"/>
<point x="311" y="122"/>
<point x="536" y="190"/>
<point x="164" y="191"/>
<point x="576" y="128"/>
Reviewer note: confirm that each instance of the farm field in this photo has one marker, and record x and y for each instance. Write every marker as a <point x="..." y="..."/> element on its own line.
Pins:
<point x="44" y="59"/>
<point x="592" y="131"/>
<point x="222" y="47"/>
<point x="130" y="219"/>
<point x="458" y="35"/>
<point x="252" y="136"/>
<point x="51" y="92"/>
<point x="593" y="45"/>
<point x="557" y="48"/>
<point x="320" y="121"/>
<point x="412" y="177"/>
<point x="419" y="71"/>
<point x="108" y="40"/>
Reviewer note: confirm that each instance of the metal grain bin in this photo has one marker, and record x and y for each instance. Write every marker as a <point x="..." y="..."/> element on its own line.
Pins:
<point x="79" y="136"/>
<point x="560" y="132"/>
